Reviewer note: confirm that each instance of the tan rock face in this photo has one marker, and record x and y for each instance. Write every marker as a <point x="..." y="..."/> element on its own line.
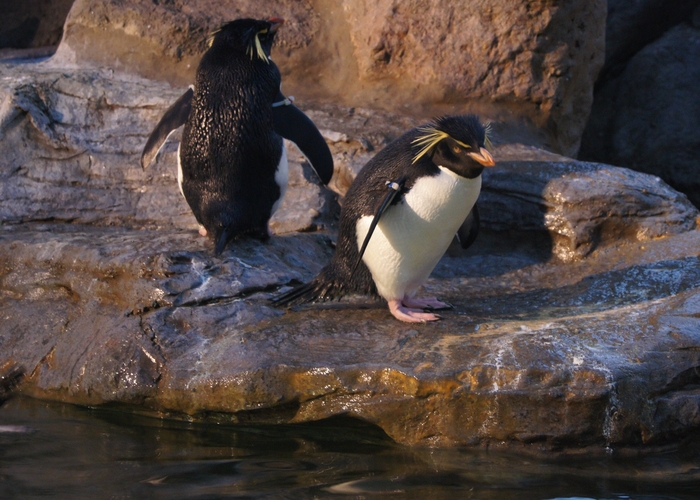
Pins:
<point x="542" y="55"/>
<point x="165" y="41"/>
<point x="530" y="61"/>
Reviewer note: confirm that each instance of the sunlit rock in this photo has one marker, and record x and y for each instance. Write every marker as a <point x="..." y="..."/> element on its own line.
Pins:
<point x="535" y="61"/>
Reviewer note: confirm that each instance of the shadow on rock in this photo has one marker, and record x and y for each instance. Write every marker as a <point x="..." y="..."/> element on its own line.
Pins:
<point x="596" y="293"/>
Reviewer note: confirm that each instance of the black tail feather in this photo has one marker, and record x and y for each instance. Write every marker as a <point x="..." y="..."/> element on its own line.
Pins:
<point x="333" y="282"/>
<point x="314" y="291"/>
<point x="298" y="295"/>
<point x="221" y="239"/>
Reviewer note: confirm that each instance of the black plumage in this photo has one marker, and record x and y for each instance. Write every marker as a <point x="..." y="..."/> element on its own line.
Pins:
<point x="230" y="152"/>
<point x="233" y="169"/>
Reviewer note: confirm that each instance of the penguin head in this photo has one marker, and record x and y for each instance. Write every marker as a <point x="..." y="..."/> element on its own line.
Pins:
<point x="458" y="143"/>
<point x="250" y="36"/>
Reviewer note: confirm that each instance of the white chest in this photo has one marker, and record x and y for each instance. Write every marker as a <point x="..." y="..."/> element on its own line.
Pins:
<point x="412" y="236"/>
<point x="439" y="200"/>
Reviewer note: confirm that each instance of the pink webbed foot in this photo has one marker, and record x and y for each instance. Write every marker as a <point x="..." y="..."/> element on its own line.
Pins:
<point x="410" y="315"/>
<point x="202" y="231"/>
<point x="425" y="303"/>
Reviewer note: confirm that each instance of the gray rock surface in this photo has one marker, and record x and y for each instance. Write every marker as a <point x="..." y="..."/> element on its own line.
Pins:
<point x="72" y="144"/>
<point x="575" y="318"/>
<point x="631" y="26"/>
<point x="533" y="63"/>
<point x="581" y="205"/>
<point x="644" y="114"/>
<point x="659" y="97"/>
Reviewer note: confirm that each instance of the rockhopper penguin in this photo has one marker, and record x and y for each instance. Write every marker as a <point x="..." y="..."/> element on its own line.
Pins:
<point x="232" y="162"/>
<point x="400" y="215"/>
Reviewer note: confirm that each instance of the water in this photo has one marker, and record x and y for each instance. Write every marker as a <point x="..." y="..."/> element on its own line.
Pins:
<point x="61" y="451"/>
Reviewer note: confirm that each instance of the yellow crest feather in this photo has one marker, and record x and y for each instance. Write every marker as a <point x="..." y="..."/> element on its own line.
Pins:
<point x="431" y="136"/>
<point x="210" y="38"/>
<point x="250" y="50"/>
<point x="487" y="133"/>
<point x="258" y="48"/>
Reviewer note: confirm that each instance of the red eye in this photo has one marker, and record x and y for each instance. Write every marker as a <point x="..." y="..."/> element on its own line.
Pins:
<point x="456" y="149"/>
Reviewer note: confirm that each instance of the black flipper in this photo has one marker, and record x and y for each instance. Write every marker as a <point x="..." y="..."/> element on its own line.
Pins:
<point x="292" y="124"/>
<point x="468" y="231"/>
<point x="395" y="188"/>
<point x="174" y="117"/>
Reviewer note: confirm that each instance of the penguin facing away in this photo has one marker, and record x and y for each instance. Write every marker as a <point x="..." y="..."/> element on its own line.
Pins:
<point x="400" y="215"/>
<point x="232" y="162"/>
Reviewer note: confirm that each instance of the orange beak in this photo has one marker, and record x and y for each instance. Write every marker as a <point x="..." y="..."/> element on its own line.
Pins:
<point x="483" y="157"/>
<point x="276" y="23"/>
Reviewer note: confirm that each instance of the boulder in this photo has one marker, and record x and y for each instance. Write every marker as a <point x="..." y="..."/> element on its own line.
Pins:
<point x="598" y="353"/>
<point x="643" y="102"/>
<point x="631" y="26"/>
<point x="165" y="40"/>
<point x="542" y="55"/>
<point x="535" y="63"/>
<point x="647" y="118"/>
<point x="581" y="205"/>
<point x="33" y="24"/>
<point x="109" y="297"/>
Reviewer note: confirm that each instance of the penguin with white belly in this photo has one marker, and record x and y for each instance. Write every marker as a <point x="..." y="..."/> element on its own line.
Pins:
<point x="400" y="215"/>
<point x="232" y="162"/>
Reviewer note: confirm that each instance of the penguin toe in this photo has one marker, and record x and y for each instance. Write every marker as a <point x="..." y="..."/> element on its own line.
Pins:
<point x="409" y="315"/>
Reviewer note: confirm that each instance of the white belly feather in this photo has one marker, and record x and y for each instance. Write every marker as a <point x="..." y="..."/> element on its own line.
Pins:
<point x="281" y="178"/>
<point x="412" y="236"/>
<point x="179" y="169"/>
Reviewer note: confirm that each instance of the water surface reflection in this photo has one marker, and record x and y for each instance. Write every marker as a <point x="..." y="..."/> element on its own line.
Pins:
<point x="61" y="451"/>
